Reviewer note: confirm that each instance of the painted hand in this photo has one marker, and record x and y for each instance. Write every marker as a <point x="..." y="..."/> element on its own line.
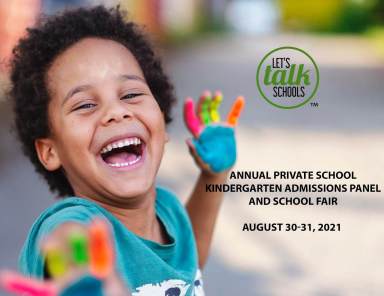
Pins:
<point x="213" y="145"/>
<point x="79" y="260"/>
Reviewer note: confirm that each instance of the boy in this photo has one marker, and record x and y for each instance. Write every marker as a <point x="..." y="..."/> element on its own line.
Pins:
<point x="91" y="102"/>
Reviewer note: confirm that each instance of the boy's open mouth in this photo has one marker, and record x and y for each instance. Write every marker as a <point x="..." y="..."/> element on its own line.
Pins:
<point x="123" y="153"/>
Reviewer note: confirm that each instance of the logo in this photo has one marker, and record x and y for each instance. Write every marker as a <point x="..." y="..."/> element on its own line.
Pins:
<point x="287" y="77"/>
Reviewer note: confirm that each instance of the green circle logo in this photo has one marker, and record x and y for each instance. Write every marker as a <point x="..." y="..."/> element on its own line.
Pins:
<point x="287" y="77"/>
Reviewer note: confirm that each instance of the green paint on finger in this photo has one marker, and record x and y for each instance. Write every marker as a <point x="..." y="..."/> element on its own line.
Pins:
<point x="79" y="246"/>
<point x="204" y="111"/>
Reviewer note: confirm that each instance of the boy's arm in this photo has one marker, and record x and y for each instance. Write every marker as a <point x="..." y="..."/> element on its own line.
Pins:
<point x="213" y="148"/>
<point x="203" y="208"/>
<point x="79" y="260"/>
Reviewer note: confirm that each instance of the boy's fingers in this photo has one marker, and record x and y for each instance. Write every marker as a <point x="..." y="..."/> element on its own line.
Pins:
<point x="101" y="252"/>
<point x="191" y="120"/>
<point x="79" y="247"/>
<point x="234" y="114"/>
<point x="62" y="249"/>
<point x="57" y="262"/>
<point x="215" y="104"/>
<point x="19" y="285"/>
<point x="204" y="107"/>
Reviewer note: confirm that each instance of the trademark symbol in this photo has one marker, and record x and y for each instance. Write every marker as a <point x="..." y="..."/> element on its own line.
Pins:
<point x="314" y="104"/>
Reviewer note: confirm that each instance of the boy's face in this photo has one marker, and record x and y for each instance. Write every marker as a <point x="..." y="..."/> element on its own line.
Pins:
<point x="101" y="101"/>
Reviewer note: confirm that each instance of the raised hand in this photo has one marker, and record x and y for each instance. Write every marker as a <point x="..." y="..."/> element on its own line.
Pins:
<point x="213" y="145"/>
<point x="79" y="261"/>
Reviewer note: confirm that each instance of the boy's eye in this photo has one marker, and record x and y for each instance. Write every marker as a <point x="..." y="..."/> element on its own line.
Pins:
<point x="130" y="96"/>
<point x="84" y="106"/>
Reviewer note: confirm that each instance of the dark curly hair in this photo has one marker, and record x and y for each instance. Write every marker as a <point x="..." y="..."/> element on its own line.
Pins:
<point x="36" y="52"/>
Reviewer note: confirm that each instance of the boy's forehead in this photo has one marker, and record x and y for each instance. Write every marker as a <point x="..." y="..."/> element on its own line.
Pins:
<point x="92" y="60"/>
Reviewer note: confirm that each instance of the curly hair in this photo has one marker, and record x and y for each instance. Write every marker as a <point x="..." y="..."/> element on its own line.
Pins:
<point x="37" y="51"/>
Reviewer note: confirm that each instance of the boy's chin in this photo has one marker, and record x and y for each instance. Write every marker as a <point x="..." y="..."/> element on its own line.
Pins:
<point x="133" y="189"/>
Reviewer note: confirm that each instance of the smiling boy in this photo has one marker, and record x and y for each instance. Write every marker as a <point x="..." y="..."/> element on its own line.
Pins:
<point x="91" y="104"/>
<point x="98" y="104"/>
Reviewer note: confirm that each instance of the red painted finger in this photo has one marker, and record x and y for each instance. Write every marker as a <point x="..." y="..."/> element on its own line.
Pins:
<point x="190" y="118"/>
<point x="20" y="285"/>
<point x="236" y="109"/>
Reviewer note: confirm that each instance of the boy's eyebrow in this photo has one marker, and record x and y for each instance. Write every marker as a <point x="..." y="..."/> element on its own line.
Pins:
<point x="74" y="91"/>
<point x="131" y="77"/>
<point x="87" y="86"/>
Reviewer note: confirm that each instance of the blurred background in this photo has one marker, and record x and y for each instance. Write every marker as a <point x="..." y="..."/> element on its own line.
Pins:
<point x="217" y="44"/>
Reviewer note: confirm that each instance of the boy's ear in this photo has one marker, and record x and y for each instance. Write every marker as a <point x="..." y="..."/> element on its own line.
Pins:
<point x="47" y="153"/>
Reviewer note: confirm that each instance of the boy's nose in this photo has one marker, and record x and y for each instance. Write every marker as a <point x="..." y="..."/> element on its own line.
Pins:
<point x="116" y="112"/>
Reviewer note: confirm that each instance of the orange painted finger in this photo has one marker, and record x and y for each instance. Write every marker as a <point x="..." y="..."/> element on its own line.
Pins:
<point x="101" y="250"/>
<point x="236" y="109"/>
<point x="190" y="118"/>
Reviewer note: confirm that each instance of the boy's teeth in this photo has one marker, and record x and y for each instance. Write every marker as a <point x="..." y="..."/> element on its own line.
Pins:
<point x="125" y="164"/>
<point x="121" y="143"/>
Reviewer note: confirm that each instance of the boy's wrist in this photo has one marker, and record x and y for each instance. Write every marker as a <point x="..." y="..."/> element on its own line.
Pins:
<point x="213" y="177"/>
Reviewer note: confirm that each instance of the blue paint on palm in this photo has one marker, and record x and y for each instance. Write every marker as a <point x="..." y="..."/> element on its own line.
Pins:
<point x="86" y="285"/>
<point x="216" y="146"/>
